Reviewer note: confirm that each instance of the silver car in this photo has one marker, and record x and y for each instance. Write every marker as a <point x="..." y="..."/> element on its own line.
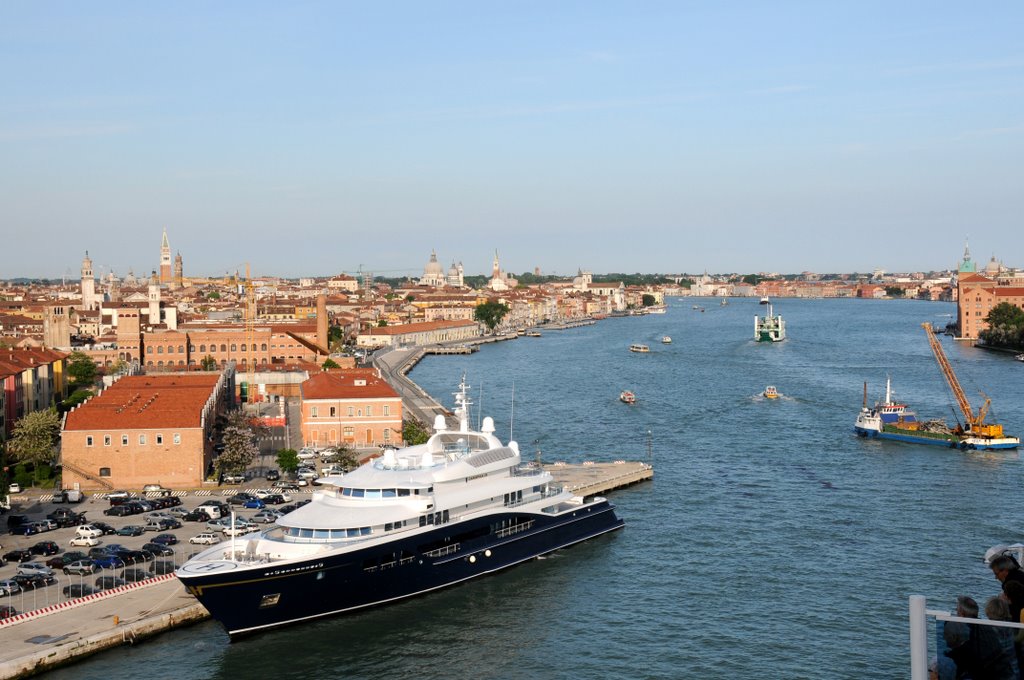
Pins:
<point x="9" y="587"/>
<point x="34" y="568"/>
<point x="80" y="567"/>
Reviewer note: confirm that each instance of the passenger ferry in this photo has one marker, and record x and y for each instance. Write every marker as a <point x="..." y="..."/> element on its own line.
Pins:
<point x="769" y="328"/>
<point x="637" y="347"/>
<point x="460" y="506"/>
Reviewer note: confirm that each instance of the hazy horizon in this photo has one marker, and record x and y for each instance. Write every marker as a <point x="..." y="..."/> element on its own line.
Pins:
<point x="629" y="137"/>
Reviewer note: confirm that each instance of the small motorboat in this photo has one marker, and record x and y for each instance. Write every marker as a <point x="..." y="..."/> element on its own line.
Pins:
<point x="666" y="340"/>
<point x="1020" y="357"/>
<point x="533" y="334"/>
<point x="765" y="300"/>
<point x="770" y="392"/>
<point x="637" y="347"/>
<point x="627" y="397"/>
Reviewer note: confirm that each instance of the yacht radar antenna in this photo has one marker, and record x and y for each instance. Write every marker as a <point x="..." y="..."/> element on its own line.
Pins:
<point x="462" y="404"/>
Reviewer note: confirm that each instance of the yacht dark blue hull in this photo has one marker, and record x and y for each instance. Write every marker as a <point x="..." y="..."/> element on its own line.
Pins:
<point x="247" y="600"/>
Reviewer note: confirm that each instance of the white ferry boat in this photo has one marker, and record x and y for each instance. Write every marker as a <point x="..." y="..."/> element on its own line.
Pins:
<point x="460" y="506"/>
<point x="769" y="328"/>
<point x="637" y="347"/>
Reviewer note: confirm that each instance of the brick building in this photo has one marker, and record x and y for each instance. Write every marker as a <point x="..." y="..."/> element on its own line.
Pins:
<point x="148" y="429"/>
<point x="31" y="379"/>
<point x="976" y="296"/>
<point x="425" y="333"/>
<point x="355" y="407"/>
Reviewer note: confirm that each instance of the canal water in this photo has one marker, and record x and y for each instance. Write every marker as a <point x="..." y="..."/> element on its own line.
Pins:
<point x="771" y="543"/>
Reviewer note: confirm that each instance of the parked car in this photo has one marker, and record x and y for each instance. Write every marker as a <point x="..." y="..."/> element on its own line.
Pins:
<point x="169" y="523"/>
<point x="107" y="562"/>
<point x="205" y="538"/>
<point x="158" y="549"/>
<point x="84" y="541"/>
<point x="277" y="499"/>
<point x="19" y="555"/>
<point x="154" y="488"/>
<point x="238" y="530"/>
<point x="78" y="590"/>
<point x="241" y="498"/>
<point x="254" y="504"/>
<point x="46" y="548"/>
<point x="27" y="529"/>
<point x="34" y="568"/>
<point x="14" y="487"/>
<point x="265" y="516"/>
<point x="165" y="539"/>
<point x="104" y="527"/>
<point x="163" y="567"/>
<point x="66" y="513"/>
<point x="108" y="582"/>
<point x="118" y="497"/>
<point x="135" y="556"/>
<point x="9" y="586"/>
<point x="273" y="475"/>
<point x="197" y="515"/>
<point x="131" y="530"/>
<point x="34" y="581"/>
<point x="16" y="521"/>
<point x="286" y="486"/>
<point x="80" y="567"/>
<point x="117" y="511"/>
<point x="58" y="561"/>
<point x="234" y="479"/>
<point x="88" y="531"/>
<point x="68" y="496"/>
<point x="7" y="612"/>
<point x="135" y="575"/>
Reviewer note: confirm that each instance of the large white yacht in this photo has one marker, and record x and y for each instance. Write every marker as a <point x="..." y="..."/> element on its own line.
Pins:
<point x="459" y="506"/>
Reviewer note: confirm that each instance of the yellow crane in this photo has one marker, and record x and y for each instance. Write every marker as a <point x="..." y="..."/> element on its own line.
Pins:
<point x="975" y="423"/>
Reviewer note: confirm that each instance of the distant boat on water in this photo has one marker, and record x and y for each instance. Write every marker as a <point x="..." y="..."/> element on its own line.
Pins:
<point x="637" y="347"/>
<point x="769" y="328"/>
<point x="666" y="340"/>
<point x="627" y="397"/>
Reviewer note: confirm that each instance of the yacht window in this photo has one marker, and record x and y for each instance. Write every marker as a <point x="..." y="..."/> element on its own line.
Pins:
<point x="358" y="493"/>
<point x="321" y="533"/>
<point x="346" y="492"/>
<point x="403" y="492"/>
<point x="390" y="493"/>
<point x="364" y="531"/>
<point x="373" y="493"/>
<point x="306" y="533"/>
<point x="353" y="532"/>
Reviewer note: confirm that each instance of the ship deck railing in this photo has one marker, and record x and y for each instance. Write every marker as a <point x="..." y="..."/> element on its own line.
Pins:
<point x="919" y="615"/>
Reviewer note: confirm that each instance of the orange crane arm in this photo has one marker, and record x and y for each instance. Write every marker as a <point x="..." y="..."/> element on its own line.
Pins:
<point x="947" y="371"/>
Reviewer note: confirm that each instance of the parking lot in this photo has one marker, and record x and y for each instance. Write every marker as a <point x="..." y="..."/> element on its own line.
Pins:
<point x="117" y="555"/>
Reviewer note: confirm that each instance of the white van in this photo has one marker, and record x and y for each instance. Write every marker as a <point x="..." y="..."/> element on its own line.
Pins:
<point x="212" y="510"/>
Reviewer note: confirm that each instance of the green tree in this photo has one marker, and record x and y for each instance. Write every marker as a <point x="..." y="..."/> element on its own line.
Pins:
<point x="288" y="460"/>
<point x="213" y="295"/>
<point x="382" y="322"/>
<point x="1005" y="327"/>
<point x="414" y="432"/>
<point x="82" y="369"/>
<point x="208" y="363"/>
<point x="752" y="279"/>
<point x="648" y="300"/>
<point x="490" y="313"/>
<point x="34" y="438"/>
<point x="894" y="291"/>
<point x="74" y="399"/>
<point x="330" y="363"/>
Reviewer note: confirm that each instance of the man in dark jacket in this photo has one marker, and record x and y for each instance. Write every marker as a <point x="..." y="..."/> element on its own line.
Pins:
<point x="1007" y="570"/>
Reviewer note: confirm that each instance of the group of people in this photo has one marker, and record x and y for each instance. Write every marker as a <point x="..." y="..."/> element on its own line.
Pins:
<point x="984" y="652"/>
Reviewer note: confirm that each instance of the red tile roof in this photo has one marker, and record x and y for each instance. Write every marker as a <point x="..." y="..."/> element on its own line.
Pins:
<point x="146" y="402"/>
<point x="341" y="384"/>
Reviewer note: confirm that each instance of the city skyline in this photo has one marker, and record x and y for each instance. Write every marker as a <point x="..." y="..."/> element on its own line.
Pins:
<point x="664" y="137"/>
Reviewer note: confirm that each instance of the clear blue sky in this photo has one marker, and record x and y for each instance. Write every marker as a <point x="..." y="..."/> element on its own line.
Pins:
<point x="314" y="137"/>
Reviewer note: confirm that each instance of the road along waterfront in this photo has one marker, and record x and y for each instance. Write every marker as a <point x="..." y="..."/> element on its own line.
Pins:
<point x="773" y="542"/>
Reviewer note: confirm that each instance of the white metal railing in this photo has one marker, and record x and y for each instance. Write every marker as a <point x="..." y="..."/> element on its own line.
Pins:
<point x="919" y="632"/>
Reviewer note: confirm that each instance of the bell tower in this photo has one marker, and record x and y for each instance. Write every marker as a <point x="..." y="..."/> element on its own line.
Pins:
<point x="89" y="300"/>
<point x="165" y="261"/>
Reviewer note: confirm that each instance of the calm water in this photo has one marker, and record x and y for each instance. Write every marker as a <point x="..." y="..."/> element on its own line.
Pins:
<point x="772" y="543"/>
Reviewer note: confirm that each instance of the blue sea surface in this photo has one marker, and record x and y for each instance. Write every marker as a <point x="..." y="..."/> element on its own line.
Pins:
<point x="771" y="543"/>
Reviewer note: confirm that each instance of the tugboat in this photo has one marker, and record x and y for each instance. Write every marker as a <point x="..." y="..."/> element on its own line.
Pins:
<point x="627" y="397"/>
<point x="769" y="328"/>
<point x="460" y="506"/>
<point x="770" y="392"/>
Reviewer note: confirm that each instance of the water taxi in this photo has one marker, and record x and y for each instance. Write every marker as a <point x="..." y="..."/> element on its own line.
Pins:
<point x="770" y="392"/>
<point x="627" y="397"/>
<point x="637" y="347"/>
<point x="533" y="334"/>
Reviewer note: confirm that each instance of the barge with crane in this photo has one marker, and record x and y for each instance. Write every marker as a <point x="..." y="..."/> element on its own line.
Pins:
<point x="891" y="419"/>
